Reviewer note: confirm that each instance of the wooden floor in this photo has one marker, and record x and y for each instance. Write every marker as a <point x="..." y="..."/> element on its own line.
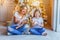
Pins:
<point x="3" y="30"/>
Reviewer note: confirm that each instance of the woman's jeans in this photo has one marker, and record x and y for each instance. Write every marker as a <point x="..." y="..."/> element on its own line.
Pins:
<point x="12" y="29"/>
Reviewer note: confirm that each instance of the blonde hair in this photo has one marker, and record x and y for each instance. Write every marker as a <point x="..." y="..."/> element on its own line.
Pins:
<point x="23" y="7"/>
<point x="19" y="8"/>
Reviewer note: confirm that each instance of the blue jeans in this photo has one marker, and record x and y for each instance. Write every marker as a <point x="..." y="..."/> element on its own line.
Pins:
<point x="37" y="31"/>
<point x="12" y="29"/>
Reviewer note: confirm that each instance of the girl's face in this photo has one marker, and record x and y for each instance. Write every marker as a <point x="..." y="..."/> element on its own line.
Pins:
<point x="23" y="11"/>
<point x="37" y="14"/>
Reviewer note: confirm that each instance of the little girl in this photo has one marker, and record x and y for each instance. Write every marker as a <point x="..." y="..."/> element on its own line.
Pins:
<point x="37" y="24"/>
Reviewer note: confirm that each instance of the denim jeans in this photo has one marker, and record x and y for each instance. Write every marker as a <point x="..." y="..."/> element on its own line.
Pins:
<point x="37" y="31"/>
<point x="12" y="29"/>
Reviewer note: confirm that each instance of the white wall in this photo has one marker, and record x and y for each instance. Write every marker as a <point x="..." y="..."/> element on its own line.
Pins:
<point x="56" y="20"/>
<point x="58" y="17"/>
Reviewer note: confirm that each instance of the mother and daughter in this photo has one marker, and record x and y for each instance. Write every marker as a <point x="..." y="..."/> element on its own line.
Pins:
<point x="20" y="23"/>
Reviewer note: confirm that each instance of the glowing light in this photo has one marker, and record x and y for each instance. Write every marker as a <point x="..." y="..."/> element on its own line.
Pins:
<point x="35" y="3"/>
<point x="1" y="2"/>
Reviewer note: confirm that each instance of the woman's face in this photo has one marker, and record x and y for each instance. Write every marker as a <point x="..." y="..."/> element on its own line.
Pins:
<point x="23" y="11"/>
<point x="37" y="14"/>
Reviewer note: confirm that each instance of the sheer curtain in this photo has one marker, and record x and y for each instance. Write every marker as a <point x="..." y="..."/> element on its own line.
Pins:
<point x="6" y="9"/>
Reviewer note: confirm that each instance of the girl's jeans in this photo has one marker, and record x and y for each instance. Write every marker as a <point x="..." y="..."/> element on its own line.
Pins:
<point x="37" y="31"/>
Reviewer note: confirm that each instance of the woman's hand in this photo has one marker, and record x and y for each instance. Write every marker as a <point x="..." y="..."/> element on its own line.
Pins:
<point x="24" y="22"/>
<point x="17" y="27"/>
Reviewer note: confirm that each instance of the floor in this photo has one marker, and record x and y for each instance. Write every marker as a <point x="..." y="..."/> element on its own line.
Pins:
<point x="51" y="36"/>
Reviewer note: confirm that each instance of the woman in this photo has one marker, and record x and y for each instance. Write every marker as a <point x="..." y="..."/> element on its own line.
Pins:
<point x="20" y="20"/>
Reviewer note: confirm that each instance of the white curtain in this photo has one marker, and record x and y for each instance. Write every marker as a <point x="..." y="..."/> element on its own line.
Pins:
<point x="6" y="10"/>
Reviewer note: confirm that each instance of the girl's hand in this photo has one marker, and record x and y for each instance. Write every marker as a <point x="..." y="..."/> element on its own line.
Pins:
<point x="41" y="25"/>
<point x="33" y="23"/>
